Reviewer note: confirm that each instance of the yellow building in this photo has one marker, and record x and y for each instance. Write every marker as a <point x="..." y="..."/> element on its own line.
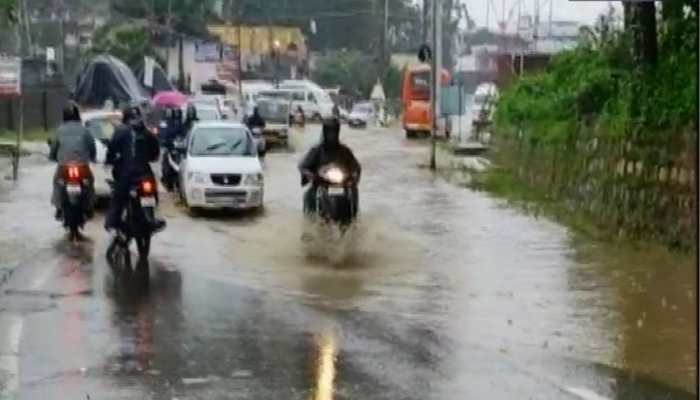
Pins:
<point x="260" y="40"/>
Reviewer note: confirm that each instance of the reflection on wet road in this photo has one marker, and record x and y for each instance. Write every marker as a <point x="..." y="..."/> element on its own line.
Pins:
<point x="440" y="293"/>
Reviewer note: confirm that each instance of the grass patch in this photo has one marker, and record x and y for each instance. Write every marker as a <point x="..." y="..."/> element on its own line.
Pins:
<point x="33" y="135"/>
<point x="502" y="182"/>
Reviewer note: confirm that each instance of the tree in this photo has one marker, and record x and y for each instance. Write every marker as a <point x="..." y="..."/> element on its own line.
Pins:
<point x="644" y="32"/>
<point x="354" y="72"/>
<point x="335" y="20"/>
<point x="187" y="17"/>
<point x="8" y="13"/>
<point x="128" y="42"/>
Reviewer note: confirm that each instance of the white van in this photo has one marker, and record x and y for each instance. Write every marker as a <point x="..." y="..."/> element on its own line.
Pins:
<point x="252" y="88"/>
<point x="315" y="101"/>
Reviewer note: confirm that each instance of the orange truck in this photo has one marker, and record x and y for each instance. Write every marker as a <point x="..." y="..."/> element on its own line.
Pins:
<point x="415" y="98"/>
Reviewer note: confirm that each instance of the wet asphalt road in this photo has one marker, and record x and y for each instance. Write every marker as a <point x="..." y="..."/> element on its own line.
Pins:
<point x="440" y="293"/>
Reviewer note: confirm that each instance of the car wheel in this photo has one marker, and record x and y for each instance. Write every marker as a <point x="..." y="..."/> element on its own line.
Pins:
<point x="410" y="134"/>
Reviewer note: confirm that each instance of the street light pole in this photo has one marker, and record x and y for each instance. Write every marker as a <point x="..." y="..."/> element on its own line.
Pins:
<point x="276" y="55"/>
<point x="435" y="78"/>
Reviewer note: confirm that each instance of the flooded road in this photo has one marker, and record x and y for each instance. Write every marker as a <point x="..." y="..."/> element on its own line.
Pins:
<point x="442" y="293"/>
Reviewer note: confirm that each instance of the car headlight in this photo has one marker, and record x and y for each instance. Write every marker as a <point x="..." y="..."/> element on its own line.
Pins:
<point x="253" y="179"/>
<point x="197" y="177"/>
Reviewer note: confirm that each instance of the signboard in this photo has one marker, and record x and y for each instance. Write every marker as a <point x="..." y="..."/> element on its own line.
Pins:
<point x="212" y="52"/>
<point x="453" y="100"/>
<point x="207" y="51"/>
<point x="10" y="76"/>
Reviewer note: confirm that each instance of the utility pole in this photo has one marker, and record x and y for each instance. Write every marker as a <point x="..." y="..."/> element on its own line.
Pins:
<point x="435" y="70"/>
<point x="385" y="34"/>
<point x="424" y="24"/>
<point x="488" y="13"/>
<point x="536" y="30"/>
<point x="180" y="64"/>
<point x="170" y="36"/>
<point x="239" y="11"/>
<point x="550" y="18"/>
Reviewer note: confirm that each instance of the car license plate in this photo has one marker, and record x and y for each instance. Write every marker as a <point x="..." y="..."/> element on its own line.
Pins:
<point x="148" y="201"/>
<point x="73" y="189"/>
<point x="336" y="190"/>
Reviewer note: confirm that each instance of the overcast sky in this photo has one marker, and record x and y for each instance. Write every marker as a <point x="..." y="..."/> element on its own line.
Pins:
<point x="583" y="11"/>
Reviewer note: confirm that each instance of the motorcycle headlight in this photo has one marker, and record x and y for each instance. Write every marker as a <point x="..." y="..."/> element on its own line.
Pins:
<point x="253" y="179"/>
<point x="197" y="177"/>
<point x="334" y="175"/>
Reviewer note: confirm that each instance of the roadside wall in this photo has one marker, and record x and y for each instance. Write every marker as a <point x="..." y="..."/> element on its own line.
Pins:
<point x="43" y="97"/>
<point x="643" y="188"/>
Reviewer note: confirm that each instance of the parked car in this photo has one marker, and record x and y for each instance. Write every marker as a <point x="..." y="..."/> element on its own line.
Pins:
<point x="101" y="125"/>
<point x="209" y="100"/>
<point x="315" y="101"/>
<point x="362" y="115"/>
<point x="221" y="168"/>
<point x="208" y="113"/>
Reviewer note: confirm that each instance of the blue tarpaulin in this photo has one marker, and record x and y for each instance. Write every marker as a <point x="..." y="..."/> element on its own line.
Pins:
<point x="453" y="100"/>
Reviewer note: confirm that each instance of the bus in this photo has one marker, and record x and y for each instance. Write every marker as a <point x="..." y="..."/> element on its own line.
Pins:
<point x="415" y="98"/>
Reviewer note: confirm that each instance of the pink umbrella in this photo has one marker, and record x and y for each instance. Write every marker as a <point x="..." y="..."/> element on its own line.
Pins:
<point x="169" y="99"/>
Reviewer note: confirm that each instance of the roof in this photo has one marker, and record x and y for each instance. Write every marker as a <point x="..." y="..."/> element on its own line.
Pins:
<point x="203" y="106"/>
<point x="219" y="124"/>
<point x="300" y="83"/>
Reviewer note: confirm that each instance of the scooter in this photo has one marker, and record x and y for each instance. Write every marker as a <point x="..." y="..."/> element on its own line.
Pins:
<point x="336" y="196"/>
<point x="74" y="180"/>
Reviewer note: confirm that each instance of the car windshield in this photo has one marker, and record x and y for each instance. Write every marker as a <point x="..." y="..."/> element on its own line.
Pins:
<point x="207" y="114"/>
<point x="101" y="128"/>
<point x="275" y="95"/>
<point x="222" y="141"/>
<point x="420" y="83"/>
<point x="273" y="111"/>
<point x="204" y="101"/>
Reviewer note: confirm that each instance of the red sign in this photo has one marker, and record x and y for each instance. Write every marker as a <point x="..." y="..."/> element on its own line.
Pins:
<point x="10" y="76"/>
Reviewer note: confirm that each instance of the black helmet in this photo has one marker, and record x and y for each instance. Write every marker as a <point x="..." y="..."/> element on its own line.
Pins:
<point x="131" y="115"/>
<point x="71" y="112"/>
<point x="191" y="112"/>
<point x="330" y="132"/>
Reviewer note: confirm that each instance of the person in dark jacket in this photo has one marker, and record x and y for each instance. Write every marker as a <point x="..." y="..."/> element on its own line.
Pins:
<point x="255" y="120"/>
<point x="190" y="119"/>
<point x="172" y="129"/>
<point x="330" y="150"/>
<point x="130" y="152"/>
<point x="73" y="144"/>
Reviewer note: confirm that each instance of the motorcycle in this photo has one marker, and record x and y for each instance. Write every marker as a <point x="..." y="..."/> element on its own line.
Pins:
<point x="137" y="222"/>
<point x="74" y="180"/>
<point x="336" y="196"/>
